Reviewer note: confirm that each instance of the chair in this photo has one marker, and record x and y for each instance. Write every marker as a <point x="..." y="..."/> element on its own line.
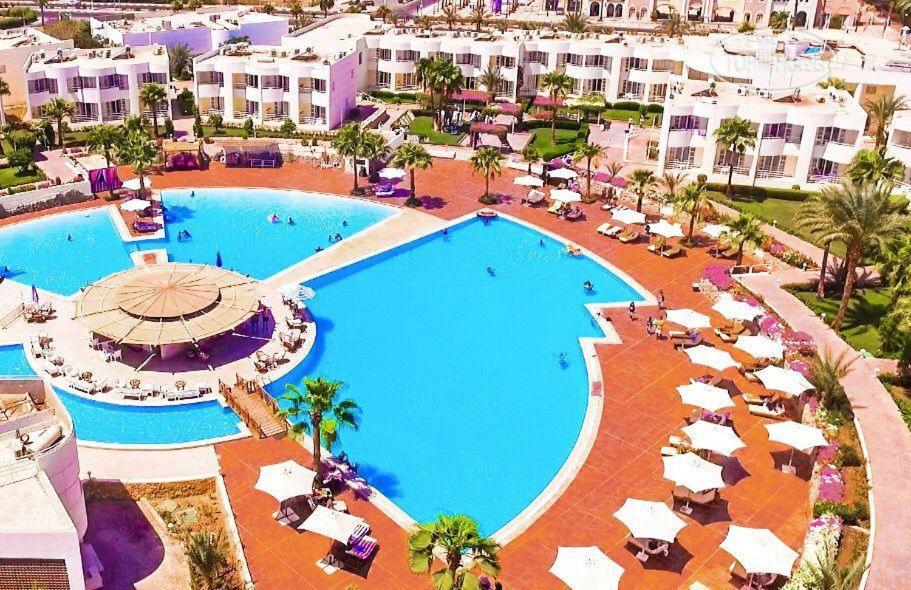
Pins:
<point x="672" y="251"/>
<point x="555" y="207"/>
<point x="363" y="549"/>
<point x="753" y="399"/>
<point x="630" y="237"/>
<point x="648" y="547"/>
<point x="766" y="411"/>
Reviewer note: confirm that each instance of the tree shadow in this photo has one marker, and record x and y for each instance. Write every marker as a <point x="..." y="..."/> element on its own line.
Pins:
<point x="431" y="203"/>
<point x="802" y="463"/>
<point x="384" y="481"/>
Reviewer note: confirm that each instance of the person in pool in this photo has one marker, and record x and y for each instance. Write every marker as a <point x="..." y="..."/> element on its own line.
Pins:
<point x="345" y="223"/>
<point x="69" y="237"/>
<point x="491" y="271"/>
<point x="588" y="286"/>
<point x="290" y="220"/>
<point x="445" y="231"/>
<point x="338" y="237"/>
<point x="318" y="249"/>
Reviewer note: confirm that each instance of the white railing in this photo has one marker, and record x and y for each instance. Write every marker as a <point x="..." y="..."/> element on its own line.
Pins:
<point x="724" y="168"/>
<point x="769" y="173"/>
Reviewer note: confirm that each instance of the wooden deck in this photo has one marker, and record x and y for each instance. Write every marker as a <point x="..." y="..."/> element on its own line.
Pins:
<point x="255" y="407"/>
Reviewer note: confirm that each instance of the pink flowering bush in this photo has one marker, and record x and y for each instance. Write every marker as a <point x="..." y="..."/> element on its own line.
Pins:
<point x="777" y="249"/>
<point x="827" y="454"/>
<point x="508" y="108"/>
<point x="802" y="367"/>
<point x="831" y="485"/>
<point x="770" y="326"/>
<point x="799" y="342"/>
<point x="718" y="276"/>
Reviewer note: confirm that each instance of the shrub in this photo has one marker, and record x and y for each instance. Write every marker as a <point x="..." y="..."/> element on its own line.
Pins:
<point x="848" y="456"/>
<point x="561" y="124"/>
<point x="626" y="105"/>
<point x="760" y="192"/>
<point x="11" y="18"/>
<point x="849" y="514"/>
<point x="186" y="102"/>
<point x="718" y="276"/>
<point x="21" y="158"/>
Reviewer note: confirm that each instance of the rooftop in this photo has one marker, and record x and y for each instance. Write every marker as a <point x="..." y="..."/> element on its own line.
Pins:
<point x="97" y="58"/>
<point x="228" y="20"/>
<point x="332" y="36"/>
<point x="38" y="508"/>
<point x="27" y="37"/>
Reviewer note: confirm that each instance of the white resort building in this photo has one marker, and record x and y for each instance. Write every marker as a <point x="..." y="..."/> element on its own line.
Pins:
<point x="43" y="520"/>
<point x="104" y="83"/>
<point x="16" y="45"/>
<point x="199" y="31"/>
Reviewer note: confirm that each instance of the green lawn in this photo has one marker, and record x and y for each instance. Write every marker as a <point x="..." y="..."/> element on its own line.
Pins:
<point x="609" y="114"/>
<point x="209" y="131"/>
<point x="865" y="312"/>
<point x="423" y="128"/>
<point x="11" y="177"/>
<point x="567" y="141"/>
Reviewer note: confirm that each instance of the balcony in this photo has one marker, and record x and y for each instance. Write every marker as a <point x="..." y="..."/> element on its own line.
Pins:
<point x="724" y="168"/>
<point x="309" y="120"/>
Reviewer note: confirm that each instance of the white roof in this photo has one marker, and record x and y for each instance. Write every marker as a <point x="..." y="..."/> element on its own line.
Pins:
<point x="32" y="506"/>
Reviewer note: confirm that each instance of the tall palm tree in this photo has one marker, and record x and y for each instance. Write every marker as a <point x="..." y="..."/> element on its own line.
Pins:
<point x="58" y="109"/>
<point x="574" y="22"/>
<point x="779" y="19"/>
<point x="421" y="69"/>
<point x="487" y="161"/>
<point x="207" y="554"/>
<point x="531" y="155"/>
<point x="865" y="218"/>
<point x="589" y="151"/>
<point x="640" y="181"/>
<point x="317" y="410"/>
<point x="557" y="85"/>
<point x="181" y="60"/>
<point x="4" y="91"/>
<point x="104" y="138"/>
<point x="296" y="11"/>
<point x="151" y="95"/>
<point x="412" y="156"/>
<point x="479" y="16"/>
<point x="881" y="110"/>
<point x="826" y="373"/>
<point x="138" y="151"/>
<point x="444" y="79"/>
<point x="491" y="79"/>
<point x="326" y="6"/>
<point x="690" y="201"/>
<point x="745" y="230"/>
<point x="354" y="142"/>
<point x="875" y="167"/>
<point x="736" y="135"/>
<point x="895" y="265"/>
<point x="454" y="537"/>
<point x="815" y="216"/>
<point x="450" y="15"/>
<point x="672" y="182"/>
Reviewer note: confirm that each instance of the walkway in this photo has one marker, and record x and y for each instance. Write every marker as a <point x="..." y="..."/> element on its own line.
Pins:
<point x="887" y="437"/>
<point x="139" y="466"/>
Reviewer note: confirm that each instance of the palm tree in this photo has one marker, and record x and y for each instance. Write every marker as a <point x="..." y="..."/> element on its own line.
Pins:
<point x="181" y="61"/>
<point x="58" y="109"/>
<point x="827" y="574"/>
<point x="736" y="135"/>
<point x="137" y="150"/>
<point x="815" y="216"/>
<point x="326" y="6"/>
<point x="151" y="95"/>
<point x="207" y="554"/>
<point x="690" y="201"/>
<point x="421" y="69"/>
<point x="316" y="410"/>
<point x="675" y="25"/>
<point x="826" y="373"/>
<point x="4" y="91"/>
<point x="778" y="20"/>
<point x="450" y="15"/>
<point x="640" y="181"/>
<point x="557" y="85"/>
<point x="744" y="230"/>
<point x="444" y="79"/>
<point x="103" y="138"/>
<point x="354" y="142"/>
<point x="614" y="169"/>
<point x="454" y="537"/>
<point x="487" y="161"/>
<point x="491" y="79"/>
<point x="875" y="167"/>
<point x="531" y="155"/>
<point x="478" y="16"/>
<point x="41" y="4"/>
<point x="589" y="151"/>
<point x="575" y="22"/>
<point x="672" y="183"/>
<point x="895" y="265"/>
<point x="412" y="156"/>
<point x="865" y="218"/>
<point x="296" y="11"/>
<point x="881" y="111"/>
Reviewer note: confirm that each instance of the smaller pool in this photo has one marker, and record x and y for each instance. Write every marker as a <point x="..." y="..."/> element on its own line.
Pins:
<point x="101" y="422"/>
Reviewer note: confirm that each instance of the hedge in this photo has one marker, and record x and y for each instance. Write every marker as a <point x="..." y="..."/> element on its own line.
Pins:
<point x="11" y="18"/>
<point x="760" y="192"/>
<point x="561" y="124"/>
<point x="389" y="95"/>
<point x="850" y="514"/>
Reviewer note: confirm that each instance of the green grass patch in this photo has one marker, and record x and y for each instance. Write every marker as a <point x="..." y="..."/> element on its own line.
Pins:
<point x="865" y="313"/>
<point x="624" y="115"/>
<point x="567" y="141"/>
<point x="423" y="128"/>
<point x="209" y="131"/>
<point x="10" y="177"/>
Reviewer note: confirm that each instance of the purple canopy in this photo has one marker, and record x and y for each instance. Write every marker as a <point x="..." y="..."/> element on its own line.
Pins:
<point x="104" y="179"/>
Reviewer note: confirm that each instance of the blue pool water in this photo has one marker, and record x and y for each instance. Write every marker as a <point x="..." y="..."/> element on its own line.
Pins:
<point x="467" y="406"/>
<point x="230" y="221"/>
<point x="97" y="421"/>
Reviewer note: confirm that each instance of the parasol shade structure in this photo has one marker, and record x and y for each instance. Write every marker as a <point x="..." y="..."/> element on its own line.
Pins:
<point x="688" y="318"/>
<point x="666" y="229"/>
<point x="563" y="174"/>
<point x="286" y="480"/>
<point x="628" y="216"/>
<point x="650" y="520"/>
<point x="737" y="310"/>
<point x="785" y="380"/>
<point x="133" y="184"/>
<point x="135" y="205"/>
<point x="713" y="437"/>
<point x="338" y="526"/>
<point x="759" y="551"/>
<point x="705" y="396"/>
<point x="796" y="435"/>
<point x="714" y="230"/>
<point x="693" y="472"/>
<point x="760" y="347"/>
<point x="391" y="173"/>
<point x="528" y="181"/>
<point x="168" y="303"/>
<point x="711" y="357"/>
<point x="586" y="568"/>
<point x="565" y="196"/>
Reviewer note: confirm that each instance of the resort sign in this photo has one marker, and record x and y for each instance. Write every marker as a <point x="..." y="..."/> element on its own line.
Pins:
<point x="774" y="63"/>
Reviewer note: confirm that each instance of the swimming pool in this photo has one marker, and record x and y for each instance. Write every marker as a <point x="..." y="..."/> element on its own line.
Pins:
<point x="230" y="222"/>
<point x="472" y="382"/>
<point x="101" y="422"/>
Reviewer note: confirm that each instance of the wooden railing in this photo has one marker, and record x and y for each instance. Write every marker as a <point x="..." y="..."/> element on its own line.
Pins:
<point x="237" y="407"/>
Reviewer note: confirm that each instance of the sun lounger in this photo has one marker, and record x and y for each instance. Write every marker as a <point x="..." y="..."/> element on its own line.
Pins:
<point x="630" y="237"/>
<point x="363" y="549"/>
<point x="657" y="249"/>
<point x="726" y="336"/>
<point x="52" y="369"/>
<point x="534" y="197"/>
<point x="360" y="531"/>
<point x="604" y="228"/>
<point x="672" y="251"/>
<point x="555" y="207"/>
<point x="669" y="451"/>
<point x="146" y="226"/>
<point x="134" y="394"/>
<point x="765" y="411"/>
<point x="574" y="214"/>
<point x="729" y="253"/>
<point x="176" y="395"/>
<point x="648" y="548"/>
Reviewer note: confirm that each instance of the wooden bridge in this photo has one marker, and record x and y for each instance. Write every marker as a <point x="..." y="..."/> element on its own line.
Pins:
<point x="255" y="407"/>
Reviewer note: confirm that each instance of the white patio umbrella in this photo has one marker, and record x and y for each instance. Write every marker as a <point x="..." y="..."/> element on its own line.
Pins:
<point x="135" y="205"/>
<point x="628" y="216"/>
<point x="565" y="196"/>
<point x="693" y="472"/>
<point x="391" y="173"/>
<point x="705" y="396"/>
<point x="711" y="357"/>
<point x="759" y="551"/>
<point x="586" y="568"/>
<point x="286" y="480"/>
<point x="714" y="230"/>
<point x="796" y="435"/>
<point x="562" y="173"/>
<point x="528" y="181"/>
<point x="299" y="292"/>
<point x="785" y="380"/>
<point x="336" y="525"/>
<point x="713" y="437"/>
<point x="133" y="184"/>
<point x="665" y="229"/>
<point x="688" y="318"/>
<point x="761" y="347"/>
<point x="650" y="520"/>
<point x="736" y="310"/>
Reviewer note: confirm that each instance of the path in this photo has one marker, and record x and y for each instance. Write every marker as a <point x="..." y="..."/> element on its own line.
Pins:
<point x="144" y="465"/>
<point x="888" y="439"/>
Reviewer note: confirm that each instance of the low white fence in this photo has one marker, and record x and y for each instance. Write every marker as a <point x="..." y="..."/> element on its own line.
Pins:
<point x="28" y="199"/>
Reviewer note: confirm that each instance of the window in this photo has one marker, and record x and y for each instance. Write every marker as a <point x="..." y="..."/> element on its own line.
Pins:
<point x="383" y="79"/>
<point x="680" y="157"/>
<point x="536" y="57"/>
<point x="319" y="85"/>
<point x="113" y="81"/>
<point x="251" y="107"/>
<point x="318" y="113"/>
<point x="211" y="78"/>
<point x="597" y="61"/>
<point x="662" y="65"/>
<point x="504" y="61"/>
<point x="775" y="131"/>
<point x="153" y="78"/>
<point x="470" y="83"/>
<point x="830" y="134"/>
<point x="384" y="54"/>
<point x="275" y="82"/>
<point x="85" y="111"/>
<point x="657" y="93"/>
<point x="42" y="85"/>
<point x="407" y="55"/>
<point x="115" y="109"/>
<point x="251" y="80"/>
<point x="574" y="59"/>
<point x="80" y="82"/>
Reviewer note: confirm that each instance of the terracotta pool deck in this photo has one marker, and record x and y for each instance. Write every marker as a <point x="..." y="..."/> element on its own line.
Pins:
<point x="641" y="409"/>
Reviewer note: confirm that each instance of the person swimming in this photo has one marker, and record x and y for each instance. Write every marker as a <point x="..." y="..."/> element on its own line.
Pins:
<point x="563" y="359"/>
<point x="273" y="218"/>
<point x="318" y="249"/>
<point x="338" y="237"/>
<point x="541" y="242"/>
<point x="192" y="193"/>
<point x="588" y="286"/>
<point x="491" y="271"/>
<point x="290" y="220"/>
<point x="345" y="223"/>
<point x="69" y="237"/>
<point x="445" y="231"/>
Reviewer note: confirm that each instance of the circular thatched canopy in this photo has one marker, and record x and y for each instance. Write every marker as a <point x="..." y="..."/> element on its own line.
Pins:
<point x="168" y="303"/>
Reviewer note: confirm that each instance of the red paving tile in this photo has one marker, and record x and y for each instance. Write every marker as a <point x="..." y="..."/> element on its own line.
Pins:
<point x="640" y="410"/>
